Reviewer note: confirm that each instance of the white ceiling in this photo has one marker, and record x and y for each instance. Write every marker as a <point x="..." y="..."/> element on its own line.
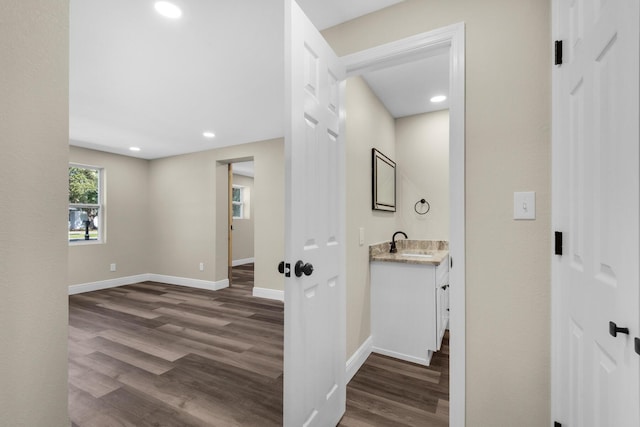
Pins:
<point x="406" y="89"/>
<point x="138" y="79"/>
<point x="244" y="168"/>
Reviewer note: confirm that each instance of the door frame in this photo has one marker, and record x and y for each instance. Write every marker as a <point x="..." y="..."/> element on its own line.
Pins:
<point x="420" y="46"/>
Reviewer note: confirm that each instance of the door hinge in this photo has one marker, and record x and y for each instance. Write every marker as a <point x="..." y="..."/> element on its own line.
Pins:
<point x="450" y="262"/>
<point x="557" y="424"/>
<point x="558" y="243"/>
<point x="558" y="52"/>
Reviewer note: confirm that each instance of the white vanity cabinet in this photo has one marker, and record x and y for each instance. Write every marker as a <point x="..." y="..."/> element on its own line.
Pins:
<point x="409" y="308"/>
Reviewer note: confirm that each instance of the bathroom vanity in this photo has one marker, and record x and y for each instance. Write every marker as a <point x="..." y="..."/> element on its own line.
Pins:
<point x="409" y="299"/>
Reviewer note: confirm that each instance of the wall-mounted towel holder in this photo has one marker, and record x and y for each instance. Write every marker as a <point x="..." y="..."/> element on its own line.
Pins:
<point x="422" y="207"/>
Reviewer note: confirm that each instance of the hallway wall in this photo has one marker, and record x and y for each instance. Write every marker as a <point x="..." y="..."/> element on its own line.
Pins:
<point x="508" y="120"/>
<point x="34" y="136"/>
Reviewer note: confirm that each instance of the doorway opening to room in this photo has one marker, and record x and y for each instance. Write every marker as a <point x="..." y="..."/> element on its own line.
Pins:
<point x="241" y="242"/>
<point x="429" y="207"/>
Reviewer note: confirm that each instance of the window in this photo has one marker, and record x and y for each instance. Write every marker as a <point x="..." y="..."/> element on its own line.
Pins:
<point x="85" y="204"/>
<point x="237" y="202"/>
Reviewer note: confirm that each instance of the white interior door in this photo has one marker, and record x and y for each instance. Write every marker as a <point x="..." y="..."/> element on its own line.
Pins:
<point x="596" y="206"/>
<point x="314" y="358"/>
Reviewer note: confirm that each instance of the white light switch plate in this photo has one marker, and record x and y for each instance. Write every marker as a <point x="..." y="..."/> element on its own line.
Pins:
<point x="361" y="237"/>
<point x="524" y="205"/>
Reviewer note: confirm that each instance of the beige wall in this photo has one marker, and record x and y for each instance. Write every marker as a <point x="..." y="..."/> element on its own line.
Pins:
<point x="422" y="165"/>
<point x="183" y="200"/>
<point x="33" y="192"/>
<point x="243" y="229"/>
<point x="507" y="149"/>
<point x="368" y="125"/>
<point x="128" y="227"/>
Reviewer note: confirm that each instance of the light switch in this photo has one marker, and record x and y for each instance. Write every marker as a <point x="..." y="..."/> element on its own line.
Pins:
<point x="524" y="205"/>
<point x="361" y="239"/>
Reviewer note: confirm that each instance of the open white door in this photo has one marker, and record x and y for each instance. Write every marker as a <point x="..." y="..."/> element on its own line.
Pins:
<point x="314" y="343"/>
<point x="596" y="206"/>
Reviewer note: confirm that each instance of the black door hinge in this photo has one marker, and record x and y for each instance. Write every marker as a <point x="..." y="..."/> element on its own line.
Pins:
<point x="558" y="52"/>
<point x="557" y="424"/>
<point x="450" y="262"/>
<point x="558" y="243"/>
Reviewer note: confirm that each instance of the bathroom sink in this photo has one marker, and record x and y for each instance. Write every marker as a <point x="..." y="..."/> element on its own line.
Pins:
<point x="416" y="255"/>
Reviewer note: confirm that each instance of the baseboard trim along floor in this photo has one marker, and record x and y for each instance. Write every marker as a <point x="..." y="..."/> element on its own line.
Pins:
<point x="148" y="277"/>
<point x="358" y="358"/>
<point x="268" y="293"/>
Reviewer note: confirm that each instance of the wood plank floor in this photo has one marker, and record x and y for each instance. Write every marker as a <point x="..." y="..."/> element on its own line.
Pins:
<point x="152" y="354"/>
<point x="392" y="392"/>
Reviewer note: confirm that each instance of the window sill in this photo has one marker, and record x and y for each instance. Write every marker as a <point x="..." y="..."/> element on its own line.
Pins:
<point x="85" y="242"/>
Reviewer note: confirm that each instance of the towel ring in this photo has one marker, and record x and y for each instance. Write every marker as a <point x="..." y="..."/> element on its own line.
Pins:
<point x="421" y="210"/>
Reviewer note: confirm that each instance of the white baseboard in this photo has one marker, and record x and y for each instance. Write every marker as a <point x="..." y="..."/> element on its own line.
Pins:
<point x="358" y="358"/>
<point x="237" y="262"/>
<point x="191" y="283"/>
<point x="130" y="280"/>
<point x="268" y="293"/>
<point x="402" y="356"/>
<point x="106" y="284"/>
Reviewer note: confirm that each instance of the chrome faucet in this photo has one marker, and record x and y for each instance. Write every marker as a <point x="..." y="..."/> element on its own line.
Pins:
<point x="393" y="249"/>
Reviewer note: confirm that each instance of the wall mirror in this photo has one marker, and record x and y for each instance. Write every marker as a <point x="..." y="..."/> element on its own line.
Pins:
<point x="383" y="182"/>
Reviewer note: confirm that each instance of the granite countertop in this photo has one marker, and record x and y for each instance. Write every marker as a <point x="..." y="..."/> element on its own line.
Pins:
<point x="427" y="252"/>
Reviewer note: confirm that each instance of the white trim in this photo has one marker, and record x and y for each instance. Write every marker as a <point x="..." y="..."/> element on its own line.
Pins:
<point x="402" y="356"/>
<point x="130" y="280"/>
<point x="106" y="284"/>
<point x="358" y="358"/>
<point x="191" y="283"/>
<point x="237" y="262"/>
<point x="557" y="409"/>
<point x="402" y="51"/>
<point x="268" y="293"/>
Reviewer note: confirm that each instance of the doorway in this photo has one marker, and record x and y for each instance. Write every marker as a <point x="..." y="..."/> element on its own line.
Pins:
<point x="414" y="48"/>
<point x="241" y="219"/>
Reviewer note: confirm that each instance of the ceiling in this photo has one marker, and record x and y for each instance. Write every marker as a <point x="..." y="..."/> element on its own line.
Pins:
<point x="139" y="79"/>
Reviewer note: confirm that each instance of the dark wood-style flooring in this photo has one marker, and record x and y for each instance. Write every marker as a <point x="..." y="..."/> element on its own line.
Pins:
<point x="152" y="354"/>
<point x="391" y="392"/>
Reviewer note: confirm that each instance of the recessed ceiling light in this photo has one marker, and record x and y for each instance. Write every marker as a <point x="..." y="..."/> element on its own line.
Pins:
<point x="208" y="134"/>
<point x="134" y="148"/>
<point x="168" y="10"/>
<point x="438" y="98"/>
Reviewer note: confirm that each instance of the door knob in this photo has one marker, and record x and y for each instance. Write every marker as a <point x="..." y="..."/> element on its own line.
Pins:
<point x="614" y="330"/>
<point x="301" y="268"/>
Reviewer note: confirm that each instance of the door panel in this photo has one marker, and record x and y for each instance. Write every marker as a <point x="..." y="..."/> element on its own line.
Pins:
<point x="314" y="377"/>
<point x="596" y="203"/>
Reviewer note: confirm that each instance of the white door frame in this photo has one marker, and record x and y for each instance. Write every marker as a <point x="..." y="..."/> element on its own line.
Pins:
<point x="417" y="47"/>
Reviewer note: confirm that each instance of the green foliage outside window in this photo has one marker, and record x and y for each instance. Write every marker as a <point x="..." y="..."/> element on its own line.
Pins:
<point x="83" y="185"/>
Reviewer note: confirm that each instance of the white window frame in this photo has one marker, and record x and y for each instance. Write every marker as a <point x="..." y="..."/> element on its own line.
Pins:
<point x="240" y="203"/>
<point x="100" y="206"/>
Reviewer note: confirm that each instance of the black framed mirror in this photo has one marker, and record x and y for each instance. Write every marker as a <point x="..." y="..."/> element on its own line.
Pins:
<point x="383" y="182"/>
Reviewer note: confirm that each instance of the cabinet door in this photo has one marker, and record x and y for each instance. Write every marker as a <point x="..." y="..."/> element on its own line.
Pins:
<point x="440" y="313"/>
